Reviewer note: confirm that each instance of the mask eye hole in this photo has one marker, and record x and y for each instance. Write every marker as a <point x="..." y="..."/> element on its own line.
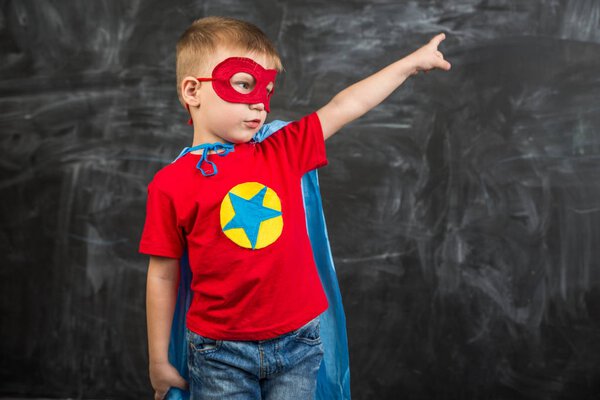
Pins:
<point x="243" y="82"/>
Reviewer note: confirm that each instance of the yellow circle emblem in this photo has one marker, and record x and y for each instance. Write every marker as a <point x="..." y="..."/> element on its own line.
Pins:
<point x="251" y="215"/>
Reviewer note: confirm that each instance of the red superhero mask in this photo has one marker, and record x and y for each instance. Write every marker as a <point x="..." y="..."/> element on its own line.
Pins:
<point x="241" y="80"/>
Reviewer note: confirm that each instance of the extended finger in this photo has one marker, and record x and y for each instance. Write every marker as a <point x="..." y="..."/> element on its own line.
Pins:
<point x="437" y="39"/>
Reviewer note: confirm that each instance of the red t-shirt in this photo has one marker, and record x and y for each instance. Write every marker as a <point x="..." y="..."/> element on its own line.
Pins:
<point x="254" y="275"/>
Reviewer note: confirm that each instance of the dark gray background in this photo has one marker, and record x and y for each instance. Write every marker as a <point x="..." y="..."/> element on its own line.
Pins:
<point x="464" y="212"/>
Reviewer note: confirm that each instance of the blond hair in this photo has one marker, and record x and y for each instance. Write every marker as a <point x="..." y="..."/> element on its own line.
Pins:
<point x="200" y="40"/>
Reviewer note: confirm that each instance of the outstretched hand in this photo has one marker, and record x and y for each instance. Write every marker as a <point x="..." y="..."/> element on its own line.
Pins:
<point x="429" y="57"/>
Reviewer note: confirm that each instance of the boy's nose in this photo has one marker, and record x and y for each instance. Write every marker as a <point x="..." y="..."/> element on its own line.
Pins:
<point x="257" y="106"/>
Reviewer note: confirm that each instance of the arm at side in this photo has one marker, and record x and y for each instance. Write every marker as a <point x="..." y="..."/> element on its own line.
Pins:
<point x="161" y="295"/>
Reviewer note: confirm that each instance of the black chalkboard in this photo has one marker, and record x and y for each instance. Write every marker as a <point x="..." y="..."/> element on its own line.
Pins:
<point x="463" y="212"/>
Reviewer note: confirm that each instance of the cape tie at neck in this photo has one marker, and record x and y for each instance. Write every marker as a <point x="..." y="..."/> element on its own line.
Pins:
<point x="222" y="149"/>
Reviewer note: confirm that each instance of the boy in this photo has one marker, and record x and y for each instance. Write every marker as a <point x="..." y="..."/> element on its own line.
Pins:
<point x="236" y="205"/>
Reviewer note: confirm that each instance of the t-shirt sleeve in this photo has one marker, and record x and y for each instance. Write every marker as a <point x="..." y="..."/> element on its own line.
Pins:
<point x="303" y="143"/>
<point x="161" y="235"/>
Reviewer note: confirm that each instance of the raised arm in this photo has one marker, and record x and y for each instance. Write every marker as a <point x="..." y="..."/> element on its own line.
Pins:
<point x="354" y="101"/>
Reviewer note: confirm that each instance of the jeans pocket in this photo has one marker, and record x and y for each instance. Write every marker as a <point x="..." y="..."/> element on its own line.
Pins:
<point x="309" y="333"/>
<point x="202" y="345"/>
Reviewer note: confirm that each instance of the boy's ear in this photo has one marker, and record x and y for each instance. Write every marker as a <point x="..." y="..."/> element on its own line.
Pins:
<point x="190" y="91"/>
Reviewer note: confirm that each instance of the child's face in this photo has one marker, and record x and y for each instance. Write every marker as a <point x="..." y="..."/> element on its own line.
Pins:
<point x="221" y="120"/>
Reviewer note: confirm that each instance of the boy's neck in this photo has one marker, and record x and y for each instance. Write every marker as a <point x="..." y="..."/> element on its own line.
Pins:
<point x="200" y="139"/>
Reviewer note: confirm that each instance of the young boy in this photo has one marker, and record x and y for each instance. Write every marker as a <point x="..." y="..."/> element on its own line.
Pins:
<point x="236" y="206"/>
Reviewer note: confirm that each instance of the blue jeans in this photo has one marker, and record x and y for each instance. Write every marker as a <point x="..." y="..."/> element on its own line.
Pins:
<point x="282" y="368"/>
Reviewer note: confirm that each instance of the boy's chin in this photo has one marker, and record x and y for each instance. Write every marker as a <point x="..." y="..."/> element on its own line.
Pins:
<point x="245" y="138"/>
<point x="240" y="140"/>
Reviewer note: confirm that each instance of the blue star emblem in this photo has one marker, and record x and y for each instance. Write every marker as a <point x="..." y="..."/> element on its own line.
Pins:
<point x="249" y="213"/>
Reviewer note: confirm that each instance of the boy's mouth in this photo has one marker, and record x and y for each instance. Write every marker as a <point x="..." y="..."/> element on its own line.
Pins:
<point x="253" y="123"/>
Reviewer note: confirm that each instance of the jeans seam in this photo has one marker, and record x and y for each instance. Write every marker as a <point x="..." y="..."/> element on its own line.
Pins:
<point x="278" y="363"/>
<point x="261" y="373"/>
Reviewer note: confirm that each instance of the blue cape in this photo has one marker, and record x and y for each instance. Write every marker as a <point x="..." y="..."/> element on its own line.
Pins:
<point x="333" y="382"/>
